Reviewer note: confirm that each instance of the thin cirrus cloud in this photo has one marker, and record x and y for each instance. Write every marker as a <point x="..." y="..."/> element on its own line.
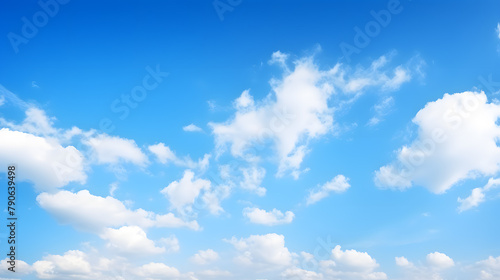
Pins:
<point x="456" y="140"/>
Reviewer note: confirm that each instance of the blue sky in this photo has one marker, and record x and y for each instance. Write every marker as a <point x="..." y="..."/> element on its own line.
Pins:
<point x="252" y="139"/>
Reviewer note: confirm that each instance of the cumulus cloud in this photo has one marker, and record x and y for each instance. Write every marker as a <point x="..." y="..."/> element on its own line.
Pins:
<point x="45" y="163"/>
<point x="130" y="240"/>
<point x="262" y="252"/>
<point x="351" y="264"/>
<point x="183" y="193"/>
<point x="435" y="265"/>
<point x="205" y="257"/>
<point x="271" y="218"/>
<point x="439" y="260"/>
<point x="157" y="271"/>
<point x="302" y="274"/>
<point x="457" y="137"/>
<point x="192" y="128"/>
<point x="94" y="213"/>
<point x="477" y="195"/>
<point x="114" y="150"/>
<point x="165" y="155"/>
<point x="297" y="110"/>
<point x="73" y="264"/>
<point x="489" y="268"/>
<point x="338" y="184"/>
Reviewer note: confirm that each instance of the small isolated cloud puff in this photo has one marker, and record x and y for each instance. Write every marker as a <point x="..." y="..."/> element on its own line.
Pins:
<point x="271" y="218"/>
<point x="113" y="150"/>
<point x="192" y="128"/>
<point x="457" y="140"/>
<point x="477" y="195"/>
<point x="45" y="163"/>
<point x="205" y="257"/>
<point x="183" y="193"/>
<point x="439" y="260"/>
<point x="338" y="184"/>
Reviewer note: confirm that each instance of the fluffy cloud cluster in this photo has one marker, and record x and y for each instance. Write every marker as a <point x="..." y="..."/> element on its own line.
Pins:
<point x="435" y="265"/>
<point x="205" y="257"/>
<point x="297" y="110"/>
<point x="457" y="140"/>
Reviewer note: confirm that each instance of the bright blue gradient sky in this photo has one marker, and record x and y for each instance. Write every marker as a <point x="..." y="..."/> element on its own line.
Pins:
<point x="259" y="145"/>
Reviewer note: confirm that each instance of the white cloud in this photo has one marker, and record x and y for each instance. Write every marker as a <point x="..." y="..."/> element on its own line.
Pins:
<point x="205" y="257"/>
<point x="489" y="268"/>
<point x="439" y="260"/>
<point x="165" y="155"/>
<point x="457" y="137"/>
<point x="279" y="58"/>
<point x="302" y="274"/>
<point x="297" y="109"/>
<point x="271" y="218"/>
<point x="402" y="261"/>
<point x="498" y="30"/>
<point x="112" y="188"/>
<point x="350" y="264"/>
<point x="45" y="163"/>
<point x="21" y="267"/>
<point x="130" y="240"/>
<point x="192" y="128"/>
<point x="170" y="243"/>
<point x="262" y="251"/>
<point x="2" y="100"/>
<point x="36" y="122"/>
<point x="252" y="178"/>
<point x="73" y="264"/>
<point x="183" y="193"/>
<point x="114" y="150"/>
<point x="93" y="213"/>
<point x="381" y="110"/>
<point x="338" y="184"/>
<point x="477" y="195"/>
<point x="244" y="101"/>
<point x="157" y="271"/>
<point x="215" y="273"/>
